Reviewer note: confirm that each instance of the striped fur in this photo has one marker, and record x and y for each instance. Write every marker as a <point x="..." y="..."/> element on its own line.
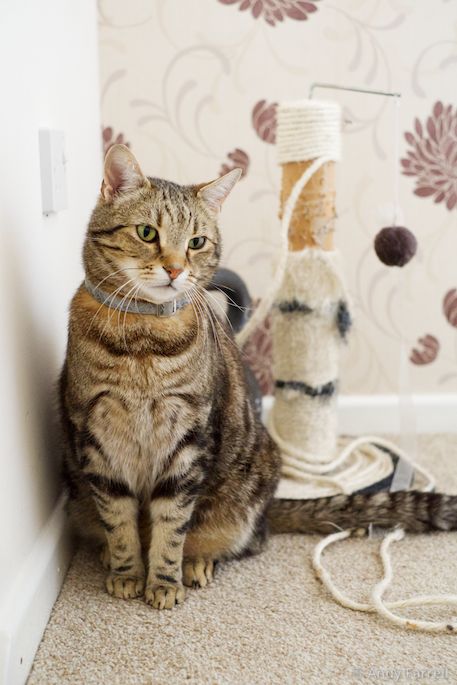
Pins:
<point x="416" y="512"/>
<point x="166" y="466"/>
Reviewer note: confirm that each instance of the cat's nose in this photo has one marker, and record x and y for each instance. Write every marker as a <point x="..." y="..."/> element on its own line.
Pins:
<point x="173" y="271"/>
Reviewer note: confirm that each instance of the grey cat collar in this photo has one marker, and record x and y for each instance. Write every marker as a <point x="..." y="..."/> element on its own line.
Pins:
<point x="133" y="307"/>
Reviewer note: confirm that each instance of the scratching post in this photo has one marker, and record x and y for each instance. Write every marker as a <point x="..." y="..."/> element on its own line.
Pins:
<point x="311" y="318"/>
<point x="310" y="314"/>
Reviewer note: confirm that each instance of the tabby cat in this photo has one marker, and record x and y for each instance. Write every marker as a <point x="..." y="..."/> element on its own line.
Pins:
<point x="166" y="464"/>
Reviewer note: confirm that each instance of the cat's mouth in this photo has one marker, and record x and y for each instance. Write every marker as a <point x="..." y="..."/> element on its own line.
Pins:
<point x="159" y="293"/>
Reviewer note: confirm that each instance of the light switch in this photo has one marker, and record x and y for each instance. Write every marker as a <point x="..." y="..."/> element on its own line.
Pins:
<point x="53" y="172"/>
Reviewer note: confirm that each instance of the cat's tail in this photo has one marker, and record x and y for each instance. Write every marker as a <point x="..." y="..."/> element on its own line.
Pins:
<point x="416" y="512"/>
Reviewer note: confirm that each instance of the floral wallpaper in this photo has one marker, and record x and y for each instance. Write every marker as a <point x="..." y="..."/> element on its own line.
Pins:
<point x="275" y="10"/>
<point x="193" y="87"/>
<point x="432" y="156"/>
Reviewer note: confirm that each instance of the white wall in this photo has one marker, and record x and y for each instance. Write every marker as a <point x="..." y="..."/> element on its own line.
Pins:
<point x="48" y="53"/>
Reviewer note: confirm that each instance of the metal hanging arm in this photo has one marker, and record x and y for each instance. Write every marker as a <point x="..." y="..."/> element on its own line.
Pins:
<point x="333" y="86"/>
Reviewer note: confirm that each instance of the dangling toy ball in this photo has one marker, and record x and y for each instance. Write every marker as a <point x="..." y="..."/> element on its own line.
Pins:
<point x="395" y="245"/>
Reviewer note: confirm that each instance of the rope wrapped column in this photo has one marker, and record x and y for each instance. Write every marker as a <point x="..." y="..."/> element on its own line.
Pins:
<point x="310" y="313"/>
<point x="309" y="305"/>
<point x="308" y="130"/>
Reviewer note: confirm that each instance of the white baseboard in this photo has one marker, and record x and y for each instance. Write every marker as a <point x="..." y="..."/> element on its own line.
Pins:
<point x="25" y="615"/>
<point x="367" y="414"/>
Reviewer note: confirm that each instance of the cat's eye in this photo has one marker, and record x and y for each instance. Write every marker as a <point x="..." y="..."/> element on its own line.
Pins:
<point x="197" y="243"/>
<point x="147" y="233"/>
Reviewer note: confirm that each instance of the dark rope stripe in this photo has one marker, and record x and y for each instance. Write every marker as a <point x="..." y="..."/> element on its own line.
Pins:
<point x="294" y="305"/>
<point x="343" y="318"/>
<point x="326" y="390"/>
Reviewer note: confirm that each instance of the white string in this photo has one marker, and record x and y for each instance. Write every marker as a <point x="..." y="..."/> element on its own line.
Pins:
<point x="406" y="410"/>
<point x="396" y="169"/>
<point x="377" y="604"/>
<point x="267" y="301"/>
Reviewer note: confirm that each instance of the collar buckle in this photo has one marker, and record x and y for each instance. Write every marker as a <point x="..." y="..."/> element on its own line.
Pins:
<point x="167" y="308"/>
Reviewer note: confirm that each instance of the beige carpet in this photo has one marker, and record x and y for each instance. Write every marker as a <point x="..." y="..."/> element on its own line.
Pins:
<point x="263" y="620"/>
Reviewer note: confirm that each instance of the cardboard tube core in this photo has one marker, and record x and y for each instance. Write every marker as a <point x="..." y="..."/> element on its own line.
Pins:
<point x="313" y="219"/>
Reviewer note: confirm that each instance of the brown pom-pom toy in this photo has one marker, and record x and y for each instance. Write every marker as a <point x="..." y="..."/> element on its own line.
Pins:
<point x="395" y="245"/>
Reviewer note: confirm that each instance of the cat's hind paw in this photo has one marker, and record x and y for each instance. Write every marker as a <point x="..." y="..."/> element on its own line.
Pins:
<point x="198" y="572"/>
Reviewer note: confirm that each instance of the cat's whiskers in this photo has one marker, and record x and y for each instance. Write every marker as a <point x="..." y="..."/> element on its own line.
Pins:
<point x="127" y="268"/>
<point x="188" y="293"/>
<point x="213" y="316"/>
<point x="216" y="302"/>
<point x="119" y="312"/>
<point x="134" y="295"/>
<point x="215" y="322"/>
<point x="205" y="309"/>
<point x="231" y="301"/>
<point x="109" y="295"/>
<point x="203" y="293"/>
<point x="202" y="316"/>
<point x="109" y="315"/>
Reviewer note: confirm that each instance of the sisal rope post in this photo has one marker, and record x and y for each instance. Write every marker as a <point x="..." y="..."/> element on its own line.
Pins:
<point x="308" y="300"/>
<point x="306" y="336"/>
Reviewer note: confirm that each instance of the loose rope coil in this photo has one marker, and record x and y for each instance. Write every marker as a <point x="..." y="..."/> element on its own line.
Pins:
<point x="363" y="459"/>
<point x="377" y="604"/>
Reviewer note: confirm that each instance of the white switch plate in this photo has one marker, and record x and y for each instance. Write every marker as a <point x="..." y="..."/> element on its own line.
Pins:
<point x="53" y="173"/>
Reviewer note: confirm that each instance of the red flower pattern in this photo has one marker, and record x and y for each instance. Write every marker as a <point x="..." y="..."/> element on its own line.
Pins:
<point x="426" y="351"/>
<point x="109" y="140"/>
<point x="264" y="120"/>
<point x="450" y="307"/>
<point x="275" y="10"/>
<point x="433" y="157"/>
<point x="240" y="160"/>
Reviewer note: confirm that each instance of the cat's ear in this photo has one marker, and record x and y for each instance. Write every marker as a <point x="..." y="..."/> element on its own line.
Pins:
<point x="214" y="194"/>
<point x="121" y="173"/>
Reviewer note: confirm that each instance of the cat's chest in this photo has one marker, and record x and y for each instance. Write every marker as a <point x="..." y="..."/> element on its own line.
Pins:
<point x="148" y="415"/>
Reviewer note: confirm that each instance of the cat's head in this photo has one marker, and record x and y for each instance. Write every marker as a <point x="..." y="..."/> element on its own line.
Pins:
<point x="152" y="238"/>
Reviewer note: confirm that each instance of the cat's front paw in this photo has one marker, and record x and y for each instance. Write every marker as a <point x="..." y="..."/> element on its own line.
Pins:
<point x="124" y="587"/>
<point x="164" y="596"/>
